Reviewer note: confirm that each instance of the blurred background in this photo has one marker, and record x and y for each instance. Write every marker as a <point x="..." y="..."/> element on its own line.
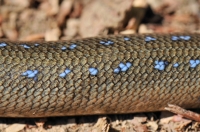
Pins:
<point x="68" y="19"/>
<point x="53" y="20"/>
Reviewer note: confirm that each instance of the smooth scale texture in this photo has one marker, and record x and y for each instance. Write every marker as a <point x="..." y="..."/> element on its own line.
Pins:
<point x="101" y="75"/>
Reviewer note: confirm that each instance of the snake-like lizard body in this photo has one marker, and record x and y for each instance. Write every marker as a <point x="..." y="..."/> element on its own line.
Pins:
<point x="100" y="75"/>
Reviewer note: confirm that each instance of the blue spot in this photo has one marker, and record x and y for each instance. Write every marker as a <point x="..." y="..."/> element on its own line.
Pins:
<point x="194" y="63"/>
<point x="102" y="42"/>
<point x="93" y="71"/>
<point x="128" y="64"/>
<point x="174" y="38"/>
<point x="123" y="67"/>
<point x="106" y="42"/>
<point x="62" y="75"/>
<point x="185" y="37"/>
<point x="147" y="39"/>
<point x="73" y="46"/>
<point x="181" y="37"/>
<point x="160" y="65"/>
<point x="35" y="71"/>
<point x="110" y="42"/>
<point x="65" y="73"/>
<point x="157" y="66"/>
<point x="176" y="65"/>
<point x="126" y="38"/>
<point x="116" y="70"/>
<point x="3" y="45"/>
<point x="30" y="73"/>
<point x="36" y="45"/>
<point x="25" y="46"/>
<point x="63" y="48"/>
<point x="26" y="72"/>
<point x="156" y="62"/>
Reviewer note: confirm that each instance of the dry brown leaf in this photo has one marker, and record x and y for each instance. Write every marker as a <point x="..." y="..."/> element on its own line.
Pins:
<point x="144" y="29"/>
<point x="128" y="31"/>
<point x="165" y="120"/>
<point x="52" y="35"/>
<point x="33" y="37"/>
<point x="94" y="21"/>
<point x="51" y="7"/>
<point x="153" y="125"/>
<point x="138" y="119"/>
<point x="102" y="125"/>
<point x="177" y="118"/>
<point x="166" y="117"/>
<point x="15" y="128"/>
<point x="72" y="27"/>
<point x="65" y="10"/>
<point x="21" y="3"/>
<point x="183" y="123"/>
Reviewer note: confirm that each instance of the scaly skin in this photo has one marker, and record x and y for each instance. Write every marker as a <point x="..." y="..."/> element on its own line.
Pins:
<point x="107" y="89"/>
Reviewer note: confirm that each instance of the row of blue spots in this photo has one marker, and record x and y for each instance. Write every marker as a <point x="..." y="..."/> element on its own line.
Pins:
<point x="126" y="38"/>
<point x="147" y="39"/>
<point x="71" y="47"/>
<point x="194" y="63"/>
<point x="106" y="42"/>
<point x="3" y="45"/>
<point x="181" y="38"/>
<point x="93" y="71"/>
<point x="31" y="74"/>
<point x="65" y="73"/>
<point x="122" y="67"/>
<point x="25" y="46"/>
<point x="160" y="65"/>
